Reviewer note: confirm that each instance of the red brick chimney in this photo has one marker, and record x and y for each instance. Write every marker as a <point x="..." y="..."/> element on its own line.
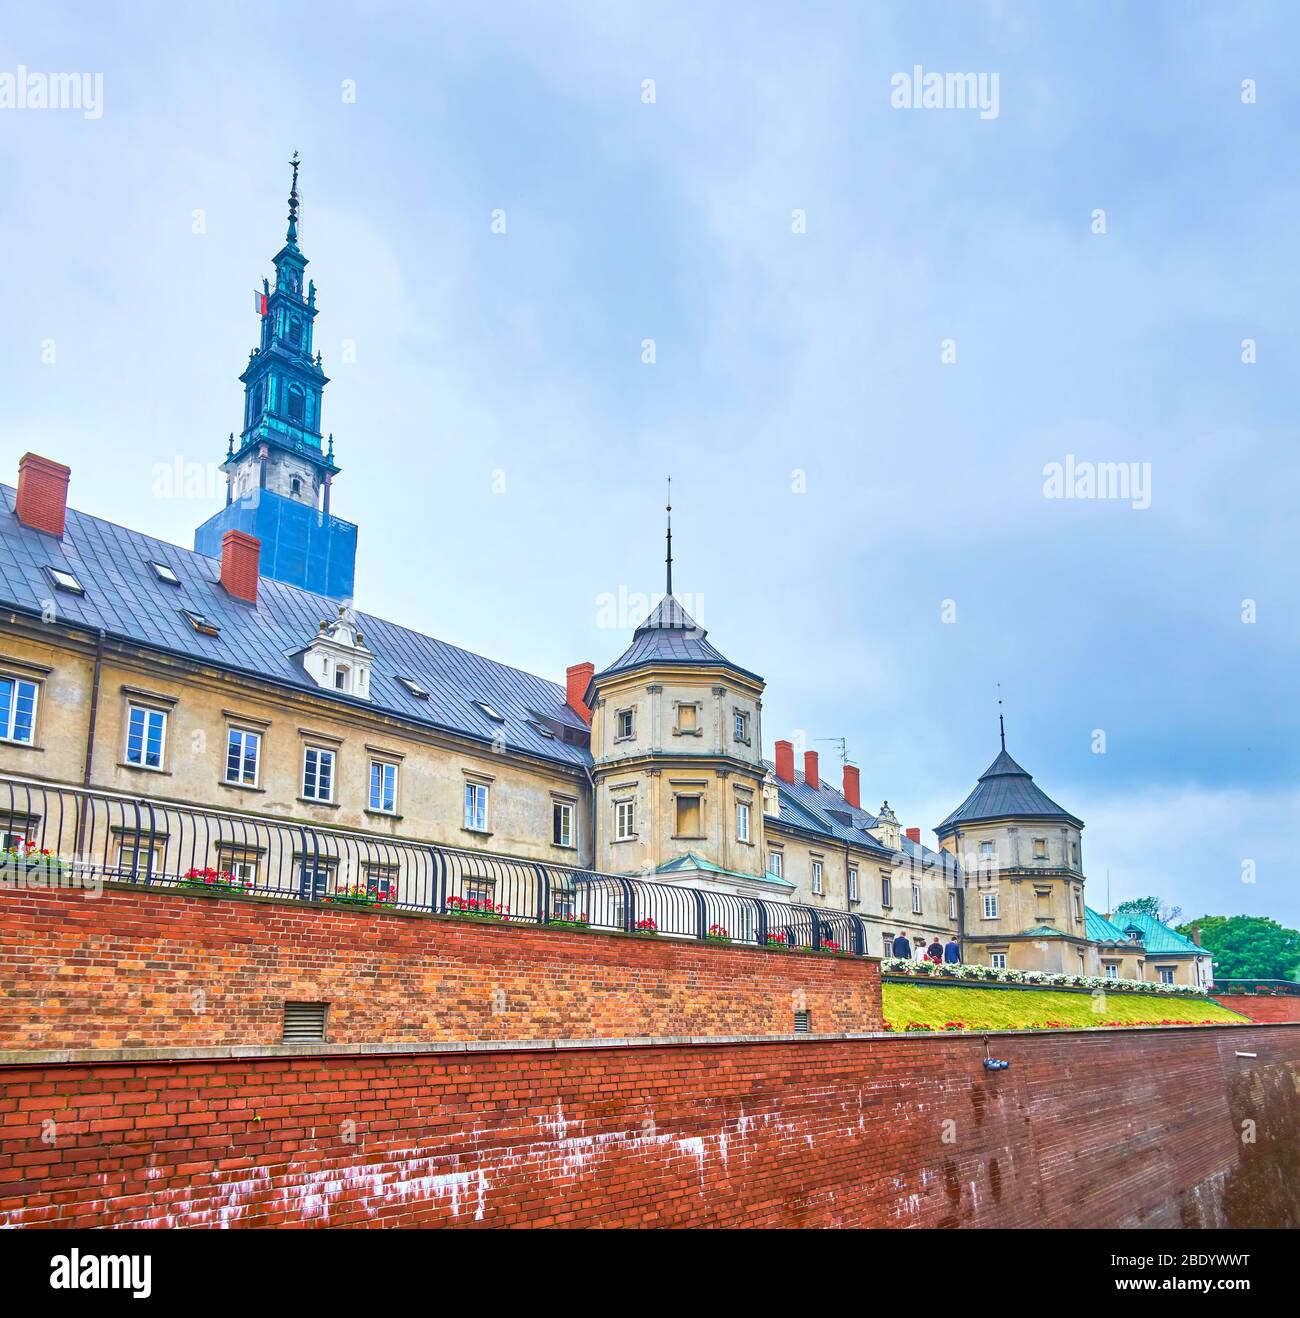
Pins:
<point x="785" y="761"/>
<point x="240" y="555"/>
<point x="577" y="679"/>
<point x="42" y="493"/>
<point x="1196" y="934"/>
<point x="915" y="835"/>
<point x="810" y="769"/>
<point x="852" y="793"/>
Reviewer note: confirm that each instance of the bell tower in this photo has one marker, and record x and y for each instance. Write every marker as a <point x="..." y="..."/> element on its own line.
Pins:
<point x="280" y="471"/>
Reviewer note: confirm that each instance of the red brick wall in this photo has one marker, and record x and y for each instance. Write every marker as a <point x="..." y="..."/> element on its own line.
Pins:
<point x="1259" y="1008"/>
<point x="136" y="968"/>
<point x="1112" y="1128"/>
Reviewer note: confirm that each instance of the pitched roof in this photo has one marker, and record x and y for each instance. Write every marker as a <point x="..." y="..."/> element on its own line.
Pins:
<point x="823" y="809"/>
<point x="670" y="636"/>
<point x="124" y="596"/>
<point x="1006" y="791"/>
<point x="693" y="862"/>
<point x="1098" y="929"/>
<point x="1157" y="937"/>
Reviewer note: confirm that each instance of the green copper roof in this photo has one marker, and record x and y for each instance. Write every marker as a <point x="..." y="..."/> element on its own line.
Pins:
<point x="1046" y="930"/>
<point x="1158" y="938"/>
<point x="1100" y="930"/>
<point x="693" y="861"/>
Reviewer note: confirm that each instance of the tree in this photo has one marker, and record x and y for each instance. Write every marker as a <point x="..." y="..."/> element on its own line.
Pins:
<point x="1248" y="946"/>
<point x="1152" y="906"/>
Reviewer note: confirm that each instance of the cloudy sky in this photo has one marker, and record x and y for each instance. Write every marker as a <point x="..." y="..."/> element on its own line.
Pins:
<point x="873" y="329"/>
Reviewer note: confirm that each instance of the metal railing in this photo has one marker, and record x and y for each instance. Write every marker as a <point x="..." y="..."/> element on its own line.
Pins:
<point x="94" y="835"/>
<point x="1285" y="988"/>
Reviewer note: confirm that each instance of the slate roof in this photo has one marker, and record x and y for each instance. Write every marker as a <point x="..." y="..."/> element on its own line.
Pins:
<point x="124" y="596"/>
<point x="669" y="635"/>
<point x="1157" y="937"/>
<point x="1005" y="790"/>
<point x="823" y="809"/>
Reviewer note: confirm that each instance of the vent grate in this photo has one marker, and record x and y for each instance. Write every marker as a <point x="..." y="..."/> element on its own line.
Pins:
<point x="802" y="1022"/>
<point x="304" y="1022"/>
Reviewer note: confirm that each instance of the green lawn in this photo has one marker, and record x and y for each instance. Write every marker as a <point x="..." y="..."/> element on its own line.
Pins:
<point x="1022" y="1009"/>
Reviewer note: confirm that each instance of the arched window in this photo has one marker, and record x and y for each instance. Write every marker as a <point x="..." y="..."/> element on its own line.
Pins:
<point x="255" y="403"/>
<point x="295" y="486"/>
<point x="295" y="332"/>
<point x="297" y="402"/>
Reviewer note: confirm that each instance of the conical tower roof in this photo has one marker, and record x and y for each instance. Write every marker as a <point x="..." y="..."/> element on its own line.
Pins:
<point x="1006" y="791"/>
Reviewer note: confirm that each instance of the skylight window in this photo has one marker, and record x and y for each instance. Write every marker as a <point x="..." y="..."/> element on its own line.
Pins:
<point x="164" y="573"/>
<point x="414" y="688"/>
<point x="541" y="729"/>
<point x="200" y="624"/>
<point x="489" y="711"/>
<point x="64" y="580"/>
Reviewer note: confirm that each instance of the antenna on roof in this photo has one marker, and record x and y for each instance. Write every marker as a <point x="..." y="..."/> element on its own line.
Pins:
<point x="669" y="559"/>
<point x="842" y="744"/>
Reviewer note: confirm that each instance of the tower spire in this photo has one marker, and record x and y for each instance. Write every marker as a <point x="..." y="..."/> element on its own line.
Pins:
<point x="669" y="559"/>
<point x="1002" y="727"/>
<point x="292" y="235"/>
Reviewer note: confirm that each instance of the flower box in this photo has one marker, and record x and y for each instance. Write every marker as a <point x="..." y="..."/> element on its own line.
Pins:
<point x="213" y="880"/>
<point x="476" y="908"/>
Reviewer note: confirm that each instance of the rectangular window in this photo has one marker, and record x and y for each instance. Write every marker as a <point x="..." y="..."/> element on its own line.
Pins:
<point x="886" y="894"/>
<point x="17" y="709"/>
<point x="383" y="787"/>
<point x="241" y="864"/>
<point x="998" y="960"/>
<point x="1040" y="848"/>
<point x="318" y="774"/>
<point x="135" y="862"/>
<point x="817" y="876"/>
<point x="853" y="883"/>
<point x="1166" y="974"/>
<point x="689" y="815"/>
<point x="479" y="890"/>
<point x="476" y="807"/>
<point x="146" y="732"/>
<point x="990" y="905"/>
<point x="742" y="822"/>
<point x="889" y="944"/>
<point x="316" y="876"/>
<point x="624" y="820"/>
<point x="562" y="823"/>
<point x="776" y="864"/>
<point x="952" y="906"/>
<point x="381" y="880"/>
<point x="243" y="752"/>
<point x="916" y="899"/>
<point x="741" y="726"/>
<point x="986" y="850"/>
<point x="1078" y="907"/>
<point x="625" y="725"/>
<point x="1112" y="970"/>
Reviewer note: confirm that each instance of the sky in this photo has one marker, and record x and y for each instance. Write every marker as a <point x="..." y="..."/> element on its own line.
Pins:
<point x="563" y="252"/>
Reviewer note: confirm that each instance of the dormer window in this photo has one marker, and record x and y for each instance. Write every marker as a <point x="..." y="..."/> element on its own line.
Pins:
<point x="337" y="658"/>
